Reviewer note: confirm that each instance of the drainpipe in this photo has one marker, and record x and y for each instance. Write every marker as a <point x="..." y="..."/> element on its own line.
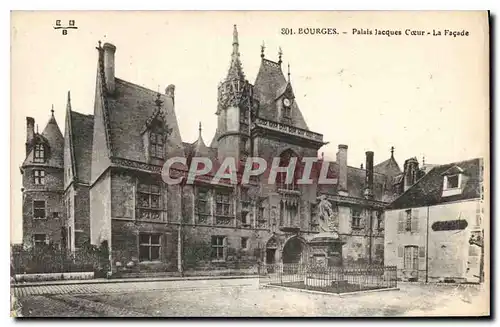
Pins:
<point x="427" y="249"/>
<point x="179" y="239"/>
<point x="371" y="239"/>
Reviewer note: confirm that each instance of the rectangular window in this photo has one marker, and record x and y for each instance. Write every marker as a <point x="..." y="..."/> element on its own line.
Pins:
<point x="218" y="243"/>
<point x="149" y="201"/>
<point x="156" y="145"/>
<point x="149" y="247"/>
<point x="287" y="112"/>
<point x="261" y="213"/>
<point x="39" y="177"/>
<point x="452" y="181"/>
<point x="39" y="209"/>
<point x="223" y="204"/>
<point x="244" y="219"/>
<point x="39" y="239"/>
<point x="245" y="199"/>
<point x="408" y="220"/>
<point x="380" y="220"/>
<point x="39" y="155"/>
<point x="244" y="242"/>
<point x="411" y="257"/>
<point x="356" y="217"/>
<point x="202" y="205"/>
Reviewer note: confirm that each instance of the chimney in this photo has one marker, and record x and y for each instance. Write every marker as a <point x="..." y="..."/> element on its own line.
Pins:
<point x="30" y="132"/>
<point x="342" y="169"/>
<point x="170" y="92"/>
<point x="410" y="173"/>
<point x="109" y="66"/>
<point x="369" y="175"/>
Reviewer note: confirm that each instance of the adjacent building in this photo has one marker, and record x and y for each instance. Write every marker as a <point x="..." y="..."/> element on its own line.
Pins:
<point x="433" y="228"/>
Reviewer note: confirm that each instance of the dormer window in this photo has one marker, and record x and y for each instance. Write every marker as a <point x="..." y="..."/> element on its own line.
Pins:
<point x="39" y="155"/>
<point x="156" y="145"/>
<point x="286" y="108"/>
<point x="453" y="179"/>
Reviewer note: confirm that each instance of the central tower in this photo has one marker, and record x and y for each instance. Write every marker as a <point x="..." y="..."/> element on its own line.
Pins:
<point x="234" y="107"/>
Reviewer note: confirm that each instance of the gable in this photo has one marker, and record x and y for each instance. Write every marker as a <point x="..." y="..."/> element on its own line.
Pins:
<point x="269" y="85"/>
<point x="130" y="109"/>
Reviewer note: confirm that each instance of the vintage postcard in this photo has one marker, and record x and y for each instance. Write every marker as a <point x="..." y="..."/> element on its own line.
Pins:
<point x="250" y="164"/>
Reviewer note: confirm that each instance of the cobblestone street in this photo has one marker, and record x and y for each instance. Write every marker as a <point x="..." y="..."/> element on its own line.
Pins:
<point x="240" y="298"/>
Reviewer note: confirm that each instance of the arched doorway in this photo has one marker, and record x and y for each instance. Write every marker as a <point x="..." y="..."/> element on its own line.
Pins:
<point x="294" y="251"/>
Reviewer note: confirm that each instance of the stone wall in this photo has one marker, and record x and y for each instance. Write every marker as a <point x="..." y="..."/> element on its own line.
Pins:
<point x="51" y="193"/>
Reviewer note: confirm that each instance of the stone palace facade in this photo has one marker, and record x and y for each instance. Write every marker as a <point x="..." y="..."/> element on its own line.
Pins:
<point x="101" y="181"/>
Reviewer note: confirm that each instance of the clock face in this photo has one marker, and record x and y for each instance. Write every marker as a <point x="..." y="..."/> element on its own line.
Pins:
<point x="287" y="102"/>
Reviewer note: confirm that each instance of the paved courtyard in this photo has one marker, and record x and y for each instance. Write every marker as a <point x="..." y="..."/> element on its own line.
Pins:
<point x="241" y="298"/>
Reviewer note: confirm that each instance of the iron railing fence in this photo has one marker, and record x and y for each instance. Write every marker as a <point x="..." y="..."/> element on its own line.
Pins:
<point x="59" y="261"/>
<point x="328" y="279"/>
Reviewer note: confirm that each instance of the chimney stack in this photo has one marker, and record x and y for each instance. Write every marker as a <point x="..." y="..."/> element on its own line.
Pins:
<point x="410" y="173"/>
<point x="170" y="92"/>
<point x="369" y="175"/>
<point x="342" y="169"/>
<point x="109" y="66"/>
<point x="30" y="132"/>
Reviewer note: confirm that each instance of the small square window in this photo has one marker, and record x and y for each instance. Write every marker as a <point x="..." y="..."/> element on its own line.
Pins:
<point x="149" y="247"/>
<point x="38" y="177"/>
<point x="39" y="239"/>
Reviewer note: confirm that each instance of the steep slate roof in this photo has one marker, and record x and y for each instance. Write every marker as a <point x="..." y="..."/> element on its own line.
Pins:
<point x="356" y="183"/>
<point x="52" y="136"/>
<point x="388" y="167"/>
<point x="129" y="109"/>
<point x="270" y="83"/>
<point x="81" y="140"/>
<point x="428" y="190"/>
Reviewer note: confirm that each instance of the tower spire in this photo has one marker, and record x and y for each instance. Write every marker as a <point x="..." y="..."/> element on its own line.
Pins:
<point x="68" y="101"/>
<point x="199" y="130"/>
<point x="280" y="54"/>
<point x="262" y="48"/>
<point x="235" y="70"/>
<point x="236" y="45"/>
<point x="52" y="110"/>
<point x="392" y="152"/>
<point x="288" y="72"/>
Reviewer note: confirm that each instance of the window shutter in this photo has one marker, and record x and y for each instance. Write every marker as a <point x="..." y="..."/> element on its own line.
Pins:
<point x="400" y="251"/>
<point x="414" y="220"/>
<point x="401" y="222"/>
<point x="421" y="252"/>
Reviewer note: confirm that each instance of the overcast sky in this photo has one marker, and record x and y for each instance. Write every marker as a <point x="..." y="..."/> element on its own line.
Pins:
<point x="424" y="95"/>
